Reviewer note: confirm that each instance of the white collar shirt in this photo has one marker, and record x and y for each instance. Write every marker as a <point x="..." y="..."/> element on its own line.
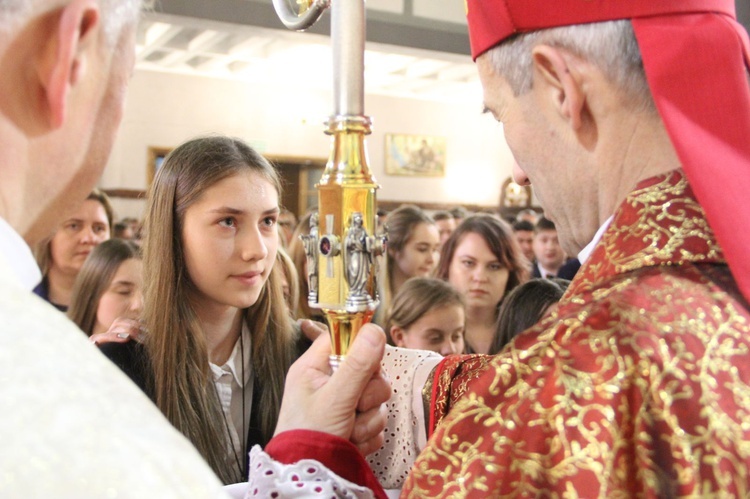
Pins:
<point x="589" y="248"/>
<point x="232" y="387"/>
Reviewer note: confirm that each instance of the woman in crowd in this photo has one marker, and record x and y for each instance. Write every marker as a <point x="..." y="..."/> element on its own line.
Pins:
<point x="446" y="224"/>
<point x="219" y="339"/>
<point x="427" y="314"/>
<point x="525" y="306"/>
<point x="107" y="296"/>
<point x="61" y="256"/>
<point x="483" y="262"/>
<point x="413" y="242"/>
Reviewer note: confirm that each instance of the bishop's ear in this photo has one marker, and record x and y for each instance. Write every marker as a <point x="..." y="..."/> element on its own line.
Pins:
<point x="559" y="80"/>
<point x="64" y="60"/>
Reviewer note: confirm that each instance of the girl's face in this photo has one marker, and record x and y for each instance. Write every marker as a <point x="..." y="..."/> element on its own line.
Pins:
<point x="123" y="297"/>
<point x="477" y="273"/>
<point x="78" y="236"/>
<point x="230" y="240"/>
<point x="421" y="253"/>
<point x="440" y="330"/>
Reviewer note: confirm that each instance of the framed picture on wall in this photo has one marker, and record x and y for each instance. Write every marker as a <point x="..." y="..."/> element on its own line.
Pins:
<point x="156" y="156"/>
<point x="415" y="155"/>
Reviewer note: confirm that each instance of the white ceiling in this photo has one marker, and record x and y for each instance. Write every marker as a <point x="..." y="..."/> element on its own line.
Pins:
<point x="219" y="50"/>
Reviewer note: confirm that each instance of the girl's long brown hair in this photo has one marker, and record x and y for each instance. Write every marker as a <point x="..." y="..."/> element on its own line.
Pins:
<point x="176" y="344"/>
<point x="401" y="223"/>
<point x="95" y="277"/>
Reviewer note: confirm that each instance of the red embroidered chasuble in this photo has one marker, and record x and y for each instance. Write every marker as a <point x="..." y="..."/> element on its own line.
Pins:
<point x="638" y="384"/>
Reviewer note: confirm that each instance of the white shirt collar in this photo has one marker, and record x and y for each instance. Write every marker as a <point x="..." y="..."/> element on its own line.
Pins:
<point x="233" y="365"/>
<point x="18" y="254"/>
<point x="586" y="252"/>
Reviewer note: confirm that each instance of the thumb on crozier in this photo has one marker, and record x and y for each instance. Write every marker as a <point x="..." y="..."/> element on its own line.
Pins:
<point x="360" y="364"/>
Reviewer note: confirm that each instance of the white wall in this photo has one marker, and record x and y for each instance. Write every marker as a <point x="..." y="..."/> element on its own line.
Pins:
<point x="165" y="109"/>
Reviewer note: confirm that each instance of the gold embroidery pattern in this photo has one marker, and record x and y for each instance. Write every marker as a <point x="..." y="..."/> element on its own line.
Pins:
<point x="637" y="385"/>
<point x="453" y="381"/>
<point x="660" y="223"/>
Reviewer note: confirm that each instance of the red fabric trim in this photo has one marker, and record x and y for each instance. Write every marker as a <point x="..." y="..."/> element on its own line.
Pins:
<point x="695" y="65"/>
<point x="492" y="21"/>
<point x="339" y="455"/>
<point x="434" y="395"/>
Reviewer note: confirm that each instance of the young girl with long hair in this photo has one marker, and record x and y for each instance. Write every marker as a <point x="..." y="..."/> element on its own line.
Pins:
<point x="483" y="262"/>
<point x="525" y="306"/>
<point x="427" y="314"/>
<point x="219" y="339"/>
<point x="108" y="289"/>
<point x="412" y="251"/>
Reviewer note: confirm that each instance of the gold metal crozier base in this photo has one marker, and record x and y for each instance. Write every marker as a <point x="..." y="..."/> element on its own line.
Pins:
<point x="344" y="327"/>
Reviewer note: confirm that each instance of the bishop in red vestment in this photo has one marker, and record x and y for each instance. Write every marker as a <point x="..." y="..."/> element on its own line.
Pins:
<point x="637" y="384"/>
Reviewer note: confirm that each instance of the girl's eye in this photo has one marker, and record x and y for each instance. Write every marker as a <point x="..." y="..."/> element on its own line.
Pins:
<point x="123" y="290"/>
<point x="227" y="222"/>
<point x="495" y="266"/>
<point x="269" y="221"/>
<point x="468" y="263"/>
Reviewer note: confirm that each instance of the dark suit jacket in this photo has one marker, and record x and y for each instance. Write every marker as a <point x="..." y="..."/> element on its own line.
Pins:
<point x="131" y="357"/>
<point x="567" y="271"/>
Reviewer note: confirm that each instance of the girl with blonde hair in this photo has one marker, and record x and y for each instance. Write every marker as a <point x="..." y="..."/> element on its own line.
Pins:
<point x="219" y="339"/>
<point x="413" y="251"/>
<point x="427" y="314"/>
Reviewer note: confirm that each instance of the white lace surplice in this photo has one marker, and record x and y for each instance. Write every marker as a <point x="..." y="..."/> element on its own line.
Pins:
<point x="405" y="435"/>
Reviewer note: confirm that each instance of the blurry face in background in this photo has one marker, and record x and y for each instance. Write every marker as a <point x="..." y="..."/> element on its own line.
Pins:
<point x="78" y="236"/>
<point x="421" y="253"/>
<point x="287" y="224"/>
<point x="230" y="240"/>
<point x="440" y="330"/>
<point x="445" y="229"/>
<point x="123" y="297"/>
<point x="477" y="273"/>
<point x="547" y="250"/>
<point x="525" y="239"/>
<point x="286" y="288"/>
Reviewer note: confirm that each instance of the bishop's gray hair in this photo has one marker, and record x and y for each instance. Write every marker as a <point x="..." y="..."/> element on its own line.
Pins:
<point x="116" y="14"/>
<point x="610" y="45"/>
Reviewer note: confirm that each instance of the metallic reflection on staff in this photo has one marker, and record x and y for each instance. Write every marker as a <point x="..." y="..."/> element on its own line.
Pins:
<point x="310" y="243"/>
<point x="346" y="244"/>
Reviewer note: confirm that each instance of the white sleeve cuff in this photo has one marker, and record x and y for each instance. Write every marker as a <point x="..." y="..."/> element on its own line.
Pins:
<point x="306" y="478"/>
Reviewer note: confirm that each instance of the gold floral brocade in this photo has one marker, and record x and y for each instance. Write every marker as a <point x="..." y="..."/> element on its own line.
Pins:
<point x="638" y="384"/>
